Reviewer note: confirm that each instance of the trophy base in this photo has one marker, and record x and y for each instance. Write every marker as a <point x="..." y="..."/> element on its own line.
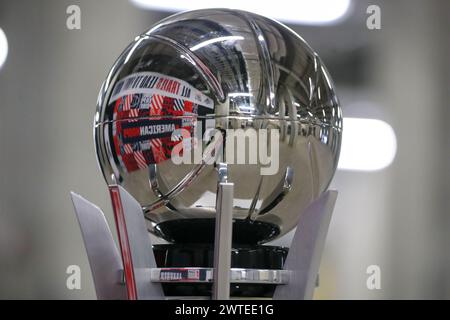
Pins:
<point x="186" y="270"/>
<point x="250" y="261"/>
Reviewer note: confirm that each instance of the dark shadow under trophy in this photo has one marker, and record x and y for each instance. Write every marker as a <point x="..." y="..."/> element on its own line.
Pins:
<point x="217" y="131"/>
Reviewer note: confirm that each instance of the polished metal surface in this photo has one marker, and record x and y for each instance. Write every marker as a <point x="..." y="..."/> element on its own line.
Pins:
<point x="104" y="259"/>
<point x="305" y="253"/>
<point x="139" y="246"/>
<point x="201" y="275"/>
<point x="223" y="235"/>
<point x="235" y="70"/>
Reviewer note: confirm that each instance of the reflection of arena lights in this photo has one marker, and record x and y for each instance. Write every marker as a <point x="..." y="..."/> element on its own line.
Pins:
<point x="3" y="47"/>
<point x="367" y="145"/>
<point x="214" y="40"/>
<point x="312" y="12"/>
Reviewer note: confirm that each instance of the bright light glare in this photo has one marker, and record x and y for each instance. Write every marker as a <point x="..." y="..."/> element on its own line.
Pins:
<point x="240" y="94"/>
<point x="3" y="47"/>
<point x="219" y="39"/>
<point x="367" y="145"/>
<point x="312" y="12"/>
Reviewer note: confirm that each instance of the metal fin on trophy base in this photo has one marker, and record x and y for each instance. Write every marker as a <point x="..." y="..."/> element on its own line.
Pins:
<point x="136" y="246"/>
<point x="104" y="258"/>
<point x="304" y="256"/>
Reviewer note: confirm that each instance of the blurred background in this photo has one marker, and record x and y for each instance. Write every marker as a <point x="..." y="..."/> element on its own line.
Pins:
<point x="394" y="189"/>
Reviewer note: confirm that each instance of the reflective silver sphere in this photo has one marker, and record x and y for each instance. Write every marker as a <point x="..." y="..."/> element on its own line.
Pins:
<point x="223" y="69"/>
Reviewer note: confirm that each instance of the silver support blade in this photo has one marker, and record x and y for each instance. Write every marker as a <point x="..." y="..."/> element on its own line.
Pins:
<point x="304" y="256"/>
<point x="223" y="236"/>
<point x="104" y="258"/>
<point x="141" y="248"/>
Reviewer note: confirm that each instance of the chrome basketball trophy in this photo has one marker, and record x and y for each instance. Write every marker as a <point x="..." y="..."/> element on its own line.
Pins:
<point x="180" y="107"/>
